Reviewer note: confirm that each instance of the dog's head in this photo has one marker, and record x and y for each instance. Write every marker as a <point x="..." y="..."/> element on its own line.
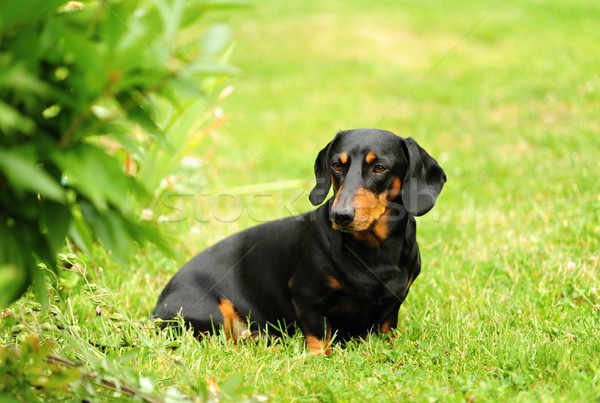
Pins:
<point x="372" y="171"/>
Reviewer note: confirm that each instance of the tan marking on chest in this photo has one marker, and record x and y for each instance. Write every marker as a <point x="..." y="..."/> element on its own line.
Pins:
<point x="333" y="283"/>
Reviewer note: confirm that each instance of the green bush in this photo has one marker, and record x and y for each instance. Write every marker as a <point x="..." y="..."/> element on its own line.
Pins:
<point x="75" y="79"/>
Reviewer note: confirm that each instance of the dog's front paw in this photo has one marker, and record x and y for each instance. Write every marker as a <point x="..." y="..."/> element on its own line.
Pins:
<point x="317" y="346"/>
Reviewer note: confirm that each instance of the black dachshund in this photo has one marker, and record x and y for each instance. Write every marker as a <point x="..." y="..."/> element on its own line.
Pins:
<point x="345" y="267"/>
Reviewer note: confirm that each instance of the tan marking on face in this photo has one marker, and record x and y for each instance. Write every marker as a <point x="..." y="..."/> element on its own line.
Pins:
<point x="319" y="347"/>
<point x="232" y="323"/>
<point x="368" y="207"/>
<point x="370" y="157"/>
<point x="337" y="195"/>
<point x="333" y="283"/>
<point x="344" y="158"/>
<point x="385" y="327"/>
<point x="410" y="281"/>
<point x="395" y="190"/>
<point x="381" y="231"/>
<point x="373" y="235"/>
<point x="333" y="183"/>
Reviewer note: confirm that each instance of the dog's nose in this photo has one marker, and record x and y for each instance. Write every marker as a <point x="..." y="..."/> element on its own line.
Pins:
<point x="343" y="216"/>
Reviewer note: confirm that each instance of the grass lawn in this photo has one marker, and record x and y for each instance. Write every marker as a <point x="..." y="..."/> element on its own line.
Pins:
<point x="506" y="95"/>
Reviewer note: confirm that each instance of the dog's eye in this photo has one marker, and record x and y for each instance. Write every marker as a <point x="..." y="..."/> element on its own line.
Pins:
<point x="336" y="166"/>
<point x="378" y="168"/>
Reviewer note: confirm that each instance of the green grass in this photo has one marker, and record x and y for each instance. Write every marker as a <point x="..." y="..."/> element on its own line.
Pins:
<point x="505" y="95"/>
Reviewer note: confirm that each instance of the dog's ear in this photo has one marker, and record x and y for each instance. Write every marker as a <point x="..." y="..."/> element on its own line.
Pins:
<point x="322" y="176"/>
<point x="423" y="180"/>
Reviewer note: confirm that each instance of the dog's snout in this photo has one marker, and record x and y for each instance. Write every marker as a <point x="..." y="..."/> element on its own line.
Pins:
<point x="343" y="216"/>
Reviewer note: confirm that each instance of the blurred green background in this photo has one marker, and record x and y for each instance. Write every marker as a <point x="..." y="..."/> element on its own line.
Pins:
<point x="504" y="94"/>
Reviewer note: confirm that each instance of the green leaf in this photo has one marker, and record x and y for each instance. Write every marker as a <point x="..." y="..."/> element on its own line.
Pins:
<point x="161" y="159"/>
<point x="18" y="77"/>
<point x="121" y="132"/>
<point x="80" y="233"/>
<point x="11" y="119"/>
<point x="90" y="76"/>
<point x="17" y="12"/>
<point x="138" y="114"/>
<point x="143" y="233"/>
<point x="215" y="41"/>
<point x="13" y="282"/>
<point x="42" y="256"/>
<point x="171" y="13"/>
<point x="113" y="26"/>
<point x="55" y="219"/>
<point x="148" y="77"/>
<point x="39" y="283"/>
<point x="94" y="173"/>
<point x="135" y="49"/>
<point x="23" y="174"/>
<point x="110" y="228"/>
<point x="18" y="268"/>
<point x="8" y="398"/>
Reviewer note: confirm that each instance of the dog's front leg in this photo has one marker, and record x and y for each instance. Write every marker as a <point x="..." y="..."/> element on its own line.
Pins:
<point x="310" y="317"/>
<point x="320" y="344"/>
<point x="390" y="320"/>
<point x="317" y="331"/>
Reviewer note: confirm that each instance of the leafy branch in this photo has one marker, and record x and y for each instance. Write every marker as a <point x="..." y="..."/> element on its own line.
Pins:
<point x="71" y="75"/>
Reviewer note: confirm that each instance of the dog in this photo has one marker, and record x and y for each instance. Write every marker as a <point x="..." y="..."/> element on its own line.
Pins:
<point x="344" y="268"/>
